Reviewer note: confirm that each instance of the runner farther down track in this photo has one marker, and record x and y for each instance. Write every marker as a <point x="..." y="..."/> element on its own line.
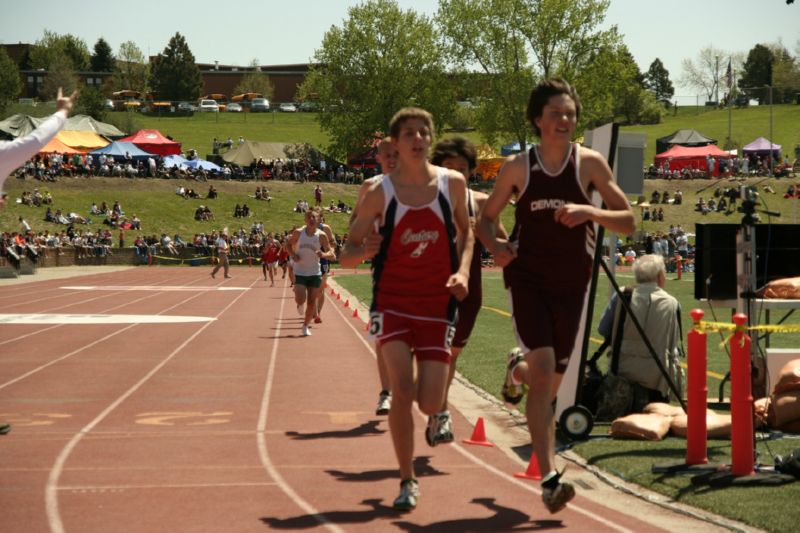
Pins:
<point x="387" y="159"/>
<point x="307" y="246"/>
<point x="553" y="225"/>
<point x="421" y="265"/>
<point x="459" y="154"/>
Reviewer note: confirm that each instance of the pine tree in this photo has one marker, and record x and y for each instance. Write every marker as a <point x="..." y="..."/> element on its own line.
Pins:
<point x="174" y="74"/>
<point x="102" y="59"/>
<point x="657" y="80"/>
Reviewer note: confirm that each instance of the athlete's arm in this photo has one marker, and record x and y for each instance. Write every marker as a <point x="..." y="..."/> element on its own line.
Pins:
<point x="291" y="243"/>
<point x="480" y="202"/>
<point x="363" y="241"/>
<point x="362" y="191"/>
<point x="595" y="173"/>
<point x="326" y="251"/>
<point x="511" y="178"/>
<point x="465" y="240"/>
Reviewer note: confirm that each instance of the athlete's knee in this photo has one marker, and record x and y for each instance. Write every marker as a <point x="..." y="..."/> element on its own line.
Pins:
<point x="428" y="406"/>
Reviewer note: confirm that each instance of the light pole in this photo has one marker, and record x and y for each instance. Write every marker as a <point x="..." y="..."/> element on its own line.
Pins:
<point x="771" y="159"/>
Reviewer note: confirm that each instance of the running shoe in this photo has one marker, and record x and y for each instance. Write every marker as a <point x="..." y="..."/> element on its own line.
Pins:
<point x="317" y="320"/>
<point x="384" y="403"/>
<point x="301" y="309"/>
<point x="512" y="391"/>
<point x="556" y="498"/>
<point x="409" y="493"/>
<point x="440" y="429"/>
<point x="306" y="331"/>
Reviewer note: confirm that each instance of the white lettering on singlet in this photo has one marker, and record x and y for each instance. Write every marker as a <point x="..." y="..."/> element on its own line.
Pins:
<point x="409" y="236"/>
<point x="547" y="203"/>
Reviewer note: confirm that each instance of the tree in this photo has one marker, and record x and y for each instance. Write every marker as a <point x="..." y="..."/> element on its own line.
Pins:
<point x="91" y="102"/>
<point x="758" y="73"/>
<point x="513" y="43"/>
<point x="131" y="71"/>
<point x="10" y="83"/>
<point x="256" y="81"/>
<point x="102" y="59"/>
<point x="379" y="60"/>
<point x="785" y="74"/>
<point x="52" y="47"/>
<point x="60" y="74"/>
<point x="657" y="81"/>
<point x="174" y="74"/>
<point x="705" y="74"/>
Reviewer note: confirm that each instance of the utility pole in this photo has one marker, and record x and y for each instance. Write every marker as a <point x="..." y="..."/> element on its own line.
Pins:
<point x="716" y="80"/>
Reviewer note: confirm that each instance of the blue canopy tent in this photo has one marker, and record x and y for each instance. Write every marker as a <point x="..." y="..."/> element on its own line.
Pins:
<point x="174" y="161"/>
<point x="513" y="148"/>
<point x="202" y="163"/>
<point x="118" y="149"/>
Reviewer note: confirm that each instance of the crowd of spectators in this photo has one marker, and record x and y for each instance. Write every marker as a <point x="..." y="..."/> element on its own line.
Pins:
<point x="740" y="166"/>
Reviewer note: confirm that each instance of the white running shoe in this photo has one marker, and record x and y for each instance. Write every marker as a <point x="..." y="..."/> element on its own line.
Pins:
<point x="384" y="403"/>
<point x="306" y="331"/>
<point x="440" y="429"/>
<point x="409" y="493"/>
<point x="557" y="498"/>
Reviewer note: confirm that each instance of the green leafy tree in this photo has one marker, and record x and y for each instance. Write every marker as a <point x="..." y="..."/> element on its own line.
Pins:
<point x="256" y="81"/>
<point x="785" y="75"/>
<point x="10" y="83"/>
<point x="131" y="70"/>
<point x="59" y="75"/>
<point x="52" y="47"/>
<point x="174" y="74"/>
<point x="102" y="59"/>
<point x="91" y="102"/>
<point x="757" y="72"/>
<point x="657" y="80"/>
<point x="512" y="43"/>
<point x="378" y="60"/>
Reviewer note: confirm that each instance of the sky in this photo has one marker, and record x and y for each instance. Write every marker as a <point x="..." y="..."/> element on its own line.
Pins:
<point x="283" y="33"/>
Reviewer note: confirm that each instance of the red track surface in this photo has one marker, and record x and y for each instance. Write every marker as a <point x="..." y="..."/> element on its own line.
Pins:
<point x="238" y="424"/>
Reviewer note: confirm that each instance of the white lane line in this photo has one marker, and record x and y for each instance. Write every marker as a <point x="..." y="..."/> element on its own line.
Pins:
<point x="521" y="484"/>
<point x="51" y="489"/>
<point x="82" y="348"/>
<point x="262" y="441"/>
<point x="69" y="319"/>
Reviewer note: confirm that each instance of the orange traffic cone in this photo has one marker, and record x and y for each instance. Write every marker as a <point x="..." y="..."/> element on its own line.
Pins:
<point x="355" y="312"/>
<point x="478" y="435"/>
<point x="533" y="471"/>
<point x="366" y="326"/>
<point x="338" y="296"/>
<point x="347" y="303"/>
<point x="333" y="292"/>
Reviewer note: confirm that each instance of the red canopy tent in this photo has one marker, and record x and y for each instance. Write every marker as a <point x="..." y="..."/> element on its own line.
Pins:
<point x="693" y="157"/>
<point x="153" y="142"/>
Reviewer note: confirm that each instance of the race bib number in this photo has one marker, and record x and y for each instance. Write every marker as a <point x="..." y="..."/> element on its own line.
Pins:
<point x="450" y="335"/>
<point x="376" y="324"/>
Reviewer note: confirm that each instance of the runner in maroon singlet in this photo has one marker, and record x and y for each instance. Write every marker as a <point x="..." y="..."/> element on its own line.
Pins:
<point x="421" y="262"/>
<point x="549" y="257"/>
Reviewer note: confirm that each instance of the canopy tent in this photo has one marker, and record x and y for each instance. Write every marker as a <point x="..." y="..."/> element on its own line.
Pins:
<point x="762" y="147"/>
<point x="683" y="138"/>
<point x="694" y="157"/>
<point x="56" y="146"/>
<point x="174" y="161"/>
<point x="84" y="141"/>
<point x="17" y="125"/>
<point x="154" y="142"/>
<point x="202" y="163"/>
<point x="514" y="148"/>
<point x="244" y="154"/>
<point x="118" y="149"/>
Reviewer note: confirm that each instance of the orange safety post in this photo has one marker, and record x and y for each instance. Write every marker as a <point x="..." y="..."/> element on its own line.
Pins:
<point x="742" y="451"/>
<point x="697" y="393"/>
<point x="679" y="265"/>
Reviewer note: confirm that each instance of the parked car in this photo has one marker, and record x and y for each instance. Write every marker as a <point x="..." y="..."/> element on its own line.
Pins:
<point x="108" y="105"/>
<point x="208" y="106"/>
<point x="233" y="107"/>
<point x="186" y="106"/>
<point x="258" y="105"/>
<point x="308" y="107"/>
<point x="287" y="108"/>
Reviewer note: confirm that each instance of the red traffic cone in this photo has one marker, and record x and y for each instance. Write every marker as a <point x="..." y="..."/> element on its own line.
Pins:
<point x="333" y="292"/>
<point x="478" y="435"/>
<point x="347" y="303"/>
<point x="338" y="296"/>
<point x="355" y="312"/>
<point x="533" y="471"/>
<point x="366" y="326"/>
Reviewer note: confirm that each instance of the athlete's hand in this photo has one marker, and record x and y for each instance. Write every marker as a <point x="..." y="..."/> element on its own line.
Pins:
<point x="458" y="285"/>
<point x="372" y="244"/>
<point x="572" y="215"/>
<point x="504" y="251"/>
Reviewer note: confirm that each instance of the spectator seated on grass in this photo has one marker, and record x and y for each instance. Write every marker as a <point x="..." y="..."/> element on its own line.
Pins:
<point x="212" y="193"/>
<point x="203" y="213"/>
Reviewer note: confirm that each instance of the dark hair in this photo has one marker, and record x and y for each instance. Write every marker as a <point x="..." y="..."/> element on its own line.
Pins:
<point x="455" y="147"/>
<point x="408" y="113"/>
<point x="541" y="94"/>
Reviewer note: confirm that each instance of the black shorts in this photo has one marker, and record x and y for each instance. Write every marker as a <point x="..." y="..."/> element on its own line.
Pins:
<point x="467" y="316"/>
<point x="547" y="317"/>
